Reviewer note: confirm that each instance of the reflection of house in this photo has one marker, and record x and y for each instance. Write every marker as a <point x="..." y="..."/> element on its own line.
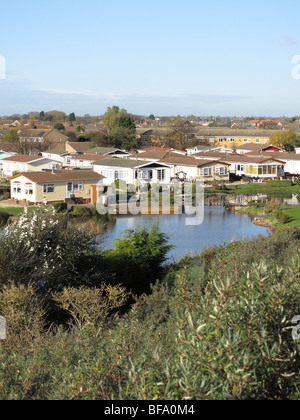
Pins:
<point x="131" y="171"/>
<point x="34" y="187"/>
<point x="25" y="163"/>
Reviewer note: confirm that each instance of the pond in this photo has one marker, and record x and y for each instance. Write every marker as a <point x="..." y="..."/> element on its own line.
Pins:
<point x="220" y="226"/>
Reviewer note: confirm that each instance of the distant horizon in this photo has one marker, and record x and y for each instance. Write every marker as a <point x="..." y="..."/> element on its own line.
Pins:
<point x="88" y="115"/>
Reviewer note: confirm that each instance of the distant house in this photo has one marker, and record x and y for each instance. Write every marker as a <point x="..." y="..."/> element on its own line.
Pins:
<point x="42" y="136"/>
<point x="4" y="155"/>
<point x="78" y="147"/>
<point x="193" y="169"/>
<point x="131" y="171"/>
<point x="24" y="163"/>
<point x="249" y="148"/>
<point x="292" y="160"/>
<point x="243" y="125"/>
<point x="59" y="156"/>
<point x="35" y="187"/>
<point x="108" y="151"/>
<point x="255" y="167"/>
<point x="85" y="161"/>
<point x="232" y="138"/>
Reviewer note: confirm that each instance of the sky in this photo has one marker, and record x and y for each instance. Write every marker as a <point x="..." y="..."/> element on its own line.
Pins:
<point x="166" y="57"/>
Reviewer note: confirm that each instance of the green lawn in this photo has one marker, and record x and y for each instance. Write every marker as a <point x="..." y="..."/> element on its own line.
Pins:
<point x="294" y="214"/>
<point x="14" y="210"/>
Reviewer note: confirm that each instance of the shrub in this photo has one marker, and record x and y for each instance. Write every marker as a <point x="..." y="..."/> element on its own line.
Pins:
<point x="91" y="307"/>
<point x="81" y="211"/>
<point x="138" y="258"/>
<point x="281" y="217"/>
<point x="60" y="207"/>
<point x="43" y="248"/>
<point x="24" y="314"/>
<point x="4" y="217"/>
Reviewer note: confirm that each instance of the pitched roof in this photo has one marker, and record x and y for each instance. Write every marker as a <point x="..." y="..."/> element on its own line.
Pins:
<point x="122" y="163"/>
<point x="249" y="159"/>
<point x="24" y="158"/>
<point x="80" y="146"/>
<point x="104" y="150"/>
<point x="88" y="156"/>
<point x="276" y="155"/>
<point x="57" y="176"/>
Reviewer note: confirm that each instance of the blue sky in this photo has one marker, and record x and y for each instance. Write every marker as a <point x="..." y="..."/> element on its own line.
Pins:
<point x="163" y="57"/>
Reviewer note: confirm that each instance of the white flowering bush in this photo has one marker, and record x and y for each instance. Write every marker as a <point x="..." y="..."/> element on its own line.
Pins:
<point x="42" y="247"/>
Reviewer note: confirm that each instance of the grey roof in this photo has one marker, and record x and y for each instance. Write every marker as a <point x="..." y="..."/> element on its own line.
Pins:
<point x="104" y="150"/>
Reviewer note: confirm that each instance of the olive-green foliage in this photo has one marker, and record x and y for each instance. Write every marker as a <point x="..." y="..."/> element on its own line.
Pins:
<point x="91" y="307"/>
<point x="225" y="334"/>
<point x="24" y="314"/>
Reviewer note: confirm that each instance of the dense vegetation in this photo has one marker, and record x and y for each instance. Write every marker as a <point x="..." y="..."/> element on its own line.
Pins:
<point x="215" y="327"/>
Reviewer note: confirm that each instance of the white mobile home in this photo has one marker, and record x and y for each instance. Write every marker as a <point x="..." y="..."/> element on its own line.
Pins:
<point x="131" y="171"/>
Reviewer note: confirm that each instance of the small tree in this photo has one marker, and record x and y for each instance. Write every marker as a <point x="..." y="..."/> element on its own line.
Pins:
<point x="72" y="117"/>
<point x="138" y="258"/>
<point x="59" y="127"/>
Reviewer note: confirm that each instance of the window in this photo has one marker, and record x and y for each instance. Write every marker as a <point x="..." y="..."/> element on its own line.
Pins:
<point x="205" y="171"/>
<point x="17" y="188"/>
<point x="143" y="174"/>
<point x="161" y="174"/>
<point x="48" y="188"/>
<point x="77" y="186"/>
<point x="221" y="171"/>
<point x="257" y="141"/>
<point x="28" y="189"/>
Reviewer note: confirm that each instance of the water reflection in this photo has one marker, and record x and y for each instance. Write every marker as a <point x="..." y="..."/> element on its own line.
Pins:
<point x="219" y="226"/>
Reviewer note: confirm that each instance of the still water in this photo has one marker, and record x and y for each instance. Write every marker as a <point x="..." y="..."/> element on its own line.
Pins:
<point x="219" y="226"/>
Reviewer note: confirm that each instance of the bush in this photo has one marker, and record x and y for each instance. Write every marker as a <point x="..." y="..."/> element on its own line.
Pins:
<point x="24" y="314"/>
<point x="81" y="211"/>
<point x="43" y="248"/>
<point x="4" y="217"/>
<point x="281" y="217"/>
<point x="60" y="207"/>
<point x="138" y="258"/>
